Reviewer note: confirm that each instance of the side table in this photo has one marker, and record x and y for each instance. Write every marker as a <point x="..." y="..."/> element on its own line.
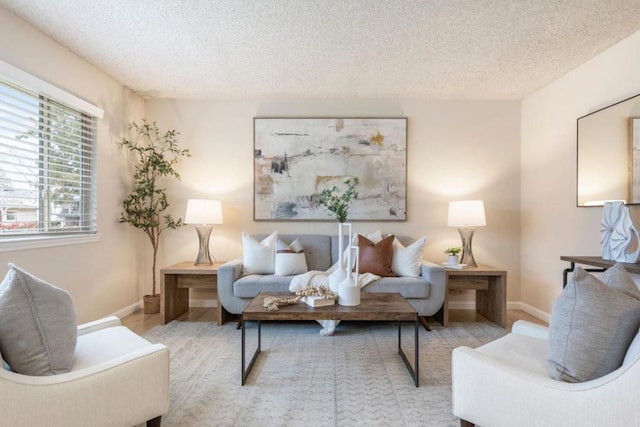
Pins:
<point x="490" y="285"/>
<point x="175" y="282"/>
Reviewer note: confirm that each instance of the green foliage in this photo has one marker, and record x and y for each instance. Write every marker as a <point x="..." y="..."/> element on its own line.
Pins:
<point x="339" y="203"/>
<point x="154" y="156"/>
<point x="453" y="251"/>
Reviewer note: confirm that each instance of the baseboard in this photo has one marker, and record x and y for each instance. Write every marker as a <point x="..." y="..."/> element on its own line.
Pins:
<point x="122" y="313"/>
<point x="535" y="312"/>
<point x="206" y="303"/>
<point x="511" y="305"/>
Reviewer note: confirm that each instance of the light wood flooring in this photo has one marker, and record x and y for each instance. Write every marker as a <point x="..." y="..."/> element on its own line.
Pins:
<point x="140" y="323"/>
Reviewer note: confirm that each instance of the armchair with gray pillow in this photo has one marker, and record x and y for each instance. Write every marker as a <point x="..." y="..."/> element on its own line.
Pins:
<point x="54" y="373"/>
<point x="583" y="370"/>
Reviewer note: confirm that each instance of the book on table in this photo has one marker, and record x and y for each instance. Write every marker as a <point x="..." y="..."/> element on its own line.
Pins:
<point x="317" y="301"/>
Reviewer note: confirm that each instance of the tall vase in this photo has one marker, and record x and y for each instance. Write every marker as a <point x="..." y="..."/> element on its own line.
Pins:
<point x="349" y="291"/>
<point x="340" y="273"/>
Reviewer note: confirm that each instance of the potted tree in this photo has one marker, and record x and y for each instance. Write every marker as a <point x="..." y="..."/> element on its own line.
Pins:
<point x="154" y="156"/>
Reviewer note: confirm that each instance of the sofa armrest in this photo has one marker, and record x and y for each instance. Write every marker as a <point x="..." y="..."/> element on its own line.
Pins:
<point x="523" y="327"/>
<point x="435" y="275"/>
<point x="96" y="325"/>
<point x="228" y="273"/>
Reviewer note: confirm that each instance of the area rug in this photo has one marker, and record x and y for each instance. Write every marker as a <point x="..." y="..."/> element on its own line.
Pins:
<point x="353" y="378"/>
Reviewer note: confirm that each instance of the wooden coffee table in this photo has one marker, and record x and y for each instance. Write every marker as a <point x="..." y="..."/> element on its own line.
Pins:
<point x="373" y="307"/>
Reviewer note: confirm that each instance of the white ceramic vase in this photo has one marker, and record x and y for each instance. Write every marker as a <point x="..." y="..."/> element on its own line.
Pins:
<point x="454" y="259"/>
<point x="349" y="290"/>
<point x="340" y="273"/>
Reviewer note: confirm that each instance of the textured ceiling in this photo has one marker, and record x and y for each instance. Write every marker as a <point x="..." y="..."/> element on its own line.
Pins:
<point x="265" y="49"/>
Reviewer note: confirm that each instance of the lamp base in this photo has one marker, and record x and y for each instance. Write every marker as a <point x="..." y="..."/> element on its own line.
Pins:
<point x="466" y="233"/>
<point x="204" y="232"/>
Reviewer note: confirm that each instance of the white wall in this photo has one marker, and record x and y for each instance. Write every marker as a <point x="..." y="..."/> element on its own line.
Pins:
<point x="101" y="277"/>
<point x="456" y="150"/>
<point x="552" y="225"/>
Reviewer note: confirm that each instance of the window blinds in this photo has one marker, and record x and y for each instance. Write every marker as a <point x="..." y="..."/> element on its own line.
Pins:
<point x="47" y="165"/>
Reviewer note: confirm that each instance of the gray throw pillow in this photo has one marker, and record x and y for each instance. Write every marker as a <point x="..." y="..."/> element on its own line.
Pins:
<point x="619" y="279"/>
<point x="591" y="328"/>
<point x="38" y="330"/>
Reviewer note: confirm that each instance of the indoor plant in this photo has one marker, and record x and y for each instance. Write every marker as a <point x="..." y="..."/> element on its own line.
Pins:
<point x="154" y="155"/>
<point x="338" y="204"/>
<point x="453" y="254"/>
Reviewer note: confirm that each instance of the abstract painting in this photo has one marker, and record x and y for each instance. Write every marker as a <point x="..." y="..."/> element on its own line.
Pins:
<point x="296" y="158"/>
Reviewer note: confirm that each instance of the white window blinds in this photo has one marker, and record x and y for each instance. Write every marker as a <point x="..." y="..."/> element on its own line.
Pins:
<point x="47" y="165"/>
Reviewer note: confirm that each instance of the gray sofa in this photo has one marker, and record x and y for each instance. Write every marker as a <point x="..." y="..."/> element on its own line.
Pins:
<point x="425" y="294"/>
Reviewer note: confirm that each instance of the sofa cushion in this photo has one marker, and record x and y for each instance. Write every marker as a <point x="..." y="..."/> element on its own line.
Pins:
<point x="290" y="259"/>
<point x="259" y="257"/>
<point x="407" y="261"/>
<point x="591" y="328"/>
<point x="251" y="285"/>
<point x="38" y="330"/>
<point x="408" y="287"/>
<point x="375" y="258"/>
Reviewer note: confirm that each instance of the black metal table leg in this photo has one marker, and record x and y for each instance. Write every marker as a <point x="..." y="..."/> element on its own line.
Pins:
<point x="245" y="372"/>
<point x="413" y="371"/>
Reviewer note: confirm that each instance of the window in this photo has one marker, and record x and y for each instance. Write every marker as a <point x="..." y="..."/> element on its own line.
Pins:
<point x="47" y="164"/>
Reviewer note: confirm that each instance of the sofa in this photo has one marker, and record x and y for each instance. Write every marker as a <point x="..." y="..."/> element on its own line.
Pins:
<point x="235" y="290"/>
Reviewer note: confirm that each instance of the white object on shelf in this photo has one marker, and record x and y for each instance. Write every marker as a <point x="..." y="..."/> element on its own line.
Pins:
<point x="455" y="266"/>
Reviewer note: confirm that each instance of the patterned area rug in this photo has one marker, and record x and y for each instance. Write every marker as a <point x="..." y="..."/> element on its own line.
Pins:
<point x="354" y="378"/>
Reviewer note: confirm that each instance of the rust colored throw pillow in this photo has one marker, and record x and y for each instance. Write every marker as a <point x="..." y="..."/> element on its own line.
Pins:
<point x="375" y="258"/>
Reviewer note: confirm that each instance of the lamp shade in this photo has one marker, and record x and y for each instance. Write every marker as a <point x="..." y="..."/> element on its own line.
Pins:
<point x="203" y="211"/>
<point x="466" y="213"/>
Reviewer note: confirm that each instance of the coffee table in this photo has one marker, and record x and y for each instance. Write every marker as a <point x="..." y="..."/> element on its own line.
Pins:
<point x="373" y="307"/>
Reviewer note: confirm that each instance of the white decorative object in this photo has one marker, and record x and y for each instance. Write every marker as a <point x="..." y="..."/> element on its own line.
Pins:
<point x="340" y="273"/>
<point x="348" y="290"/>
<point x="454" y="259"/>
<point x="619" y="236"/>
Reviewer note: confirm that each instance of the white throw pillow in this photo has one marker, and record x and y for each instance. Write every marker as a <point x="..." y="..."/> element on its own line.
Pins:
<point x="290" y="259"/>
<point x="407" y="262"/>
<point x="259" y="257"/>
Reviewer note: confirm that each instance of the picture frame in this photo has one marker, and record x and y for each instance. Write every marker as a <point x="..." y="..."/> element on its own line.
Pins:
<point x="296" y="158"/>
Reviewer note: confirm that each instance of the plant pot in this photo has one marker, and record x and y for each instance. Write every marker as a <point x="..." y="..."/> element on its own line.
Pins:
<point x="151" y="304"/>
<point x="454" y="259"/>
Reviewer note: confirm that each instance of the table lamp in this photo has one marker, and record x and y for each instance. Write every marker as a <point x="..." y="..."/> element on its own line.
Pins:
<point x="203" y="213"/>
<point x="467" y="215"/>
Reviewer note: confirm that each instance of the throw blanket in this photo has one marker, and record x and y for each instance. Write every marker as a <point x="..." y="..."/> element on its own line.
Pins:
<point x="321" y="278"/>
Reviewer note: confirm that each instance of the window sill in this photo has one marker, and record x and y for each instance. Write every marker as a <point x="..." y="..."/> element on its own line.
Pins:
<point x="11" y="244"/>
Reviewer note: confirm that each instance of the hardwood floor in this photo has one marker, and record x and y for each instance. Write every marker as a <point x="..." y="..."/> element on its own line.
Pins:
<point x="140" y="323"/>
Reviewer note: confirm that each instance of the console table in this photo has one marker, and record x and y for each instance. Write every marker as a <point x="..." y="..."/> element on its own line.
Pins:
<point x="175" y="282"/>
<point x="594" y="261"/>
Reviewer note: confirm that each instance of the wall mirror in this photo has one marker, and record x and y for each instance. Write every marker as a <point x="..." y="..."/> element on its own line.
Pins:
<point x="609" y="154"/>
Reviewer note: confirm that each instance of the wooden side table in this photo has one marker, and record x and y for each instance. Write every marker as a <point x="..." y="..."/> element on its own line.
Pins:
<point x="490" y="285"/>
<point x="175" y="282"/>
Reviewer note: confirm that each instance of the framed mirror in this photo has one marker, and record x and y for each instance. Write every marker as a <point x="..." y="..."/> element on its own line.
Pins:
<point x="609" y="154"/>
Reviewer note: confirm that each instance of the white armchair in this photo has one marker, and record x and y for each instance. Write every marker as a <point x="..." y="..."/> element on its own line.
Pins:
<point x="505" y="383"/>
<point x="118" y="379"/>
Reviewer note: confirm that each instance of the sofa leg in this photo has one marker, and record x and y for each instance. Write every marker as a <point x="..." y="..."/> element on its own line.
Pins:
<point x="155" y="422"/>
<point x="465" y="423"/>
<point x="423" y="321"/>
